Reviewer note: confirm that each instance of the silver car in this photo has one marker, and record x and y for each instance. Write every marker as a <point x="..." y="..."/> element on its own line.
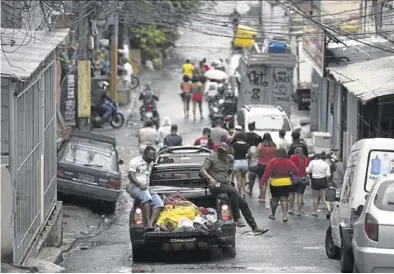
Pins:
<point x="373" y="238"/>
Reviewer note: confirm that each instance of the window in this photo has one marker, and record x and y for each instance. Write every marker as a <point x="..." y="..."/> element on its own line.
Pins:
<point x="384" y="199"/>
<point x="270" y="122"/>
<point x="379" y="162"/>
<point x="349" y="175"/>
<point x="86" y="155"/>
<point x="182" y="159"/>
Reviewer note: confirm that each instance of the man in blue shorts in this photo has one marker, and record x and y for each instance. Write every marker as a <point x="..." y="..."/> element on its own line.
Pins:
<point x="139" y="172"/>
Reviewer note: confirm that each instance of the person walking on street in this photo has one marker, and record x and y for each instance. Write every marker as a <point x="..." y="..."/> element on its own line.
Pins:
<point x="320" y="172"/>
<point x="205" y="140"/>
<point x="300" y="181"/>
<point x="253" y="139"/>
<point x="282" y="142"/>
<point x="163" y="131"/>
<point x="173" y="139"/>
<point x="265" y="152"/>
<point x="217" y="169"/>
<point x="147" y="136"/>
<point x="186" y="87"/>
<point x="139" y="172"/>
<point x="218" y="133"/>
<point x="296" y="135"/>
<point x="187" y="69"/>
<point x="277" y="175"/>
<point x="241" y="149"/>
<point x="197" y="96"/>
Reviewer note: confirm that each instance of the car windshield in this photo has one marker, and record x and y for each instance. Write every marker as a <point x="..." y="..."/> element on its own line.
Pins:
<point x="89" y="156"/>
<point x="181" y="159"/>
<point x="270" y="122"/>
<point x="384" y="199"/>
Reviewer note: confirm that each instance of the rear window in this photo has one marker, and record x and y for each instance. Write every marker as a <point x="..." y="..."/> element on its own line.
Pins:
<point x="379" y="162"/>
<point x="181" y="159"/>
<point x="384" y="199"/>
<point x="89" y="155"/>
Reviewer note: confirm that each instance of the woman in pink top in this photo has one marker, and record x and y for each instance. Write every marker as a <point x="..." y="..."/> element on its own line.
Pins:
<point x="266" y="152"/>
<point x="298" y="188"/>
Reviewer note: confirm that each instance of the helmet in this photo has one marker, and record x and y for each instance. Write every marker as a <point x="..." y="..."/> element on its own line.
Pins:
<point x="102" y="84"/>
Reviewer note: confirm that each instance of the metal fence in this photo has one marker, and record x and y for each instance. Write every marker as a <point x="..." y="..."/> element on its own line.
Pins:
<point x="33" y="157"/>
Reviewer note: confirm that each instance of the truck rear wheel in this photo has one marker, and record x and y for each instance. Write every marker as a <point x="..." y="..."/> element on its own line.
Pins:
<point x="138" y="253"/>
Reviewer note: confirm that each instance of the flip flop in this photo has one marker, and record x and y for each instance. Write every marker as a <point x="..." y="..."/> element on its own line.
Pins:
<point x="260" y="231"/>
<point x="314" y="214"/>
<point x="290" y="212"/>
<point x="285" y="220"/>
<point x="271" y="217"/>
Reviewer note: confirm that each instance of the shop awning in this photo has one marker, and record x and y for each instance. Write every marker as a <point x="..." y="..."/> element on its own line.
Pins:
<point x="367" y="80"/>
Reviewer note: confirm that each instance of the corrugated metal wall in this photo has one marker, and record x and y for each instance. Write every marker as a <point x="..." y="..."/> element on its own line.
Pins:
<point x="33" y="157"/>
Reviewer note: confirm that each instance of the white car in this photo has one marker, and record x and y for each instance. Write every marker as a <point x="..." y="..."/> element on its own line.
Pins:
<point x="268" y="118"/>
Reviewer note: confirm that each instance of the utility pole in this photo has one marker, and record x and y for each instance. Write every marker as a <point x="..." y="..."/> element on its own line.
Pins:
<point x="114" y="58"/>
<point x="84" y="70"/>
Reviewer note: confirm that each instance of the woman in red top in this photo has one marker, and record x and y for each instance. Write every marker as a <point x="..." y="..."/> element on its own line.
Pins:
<point x="277" y="174"/>
<point x="265" y="152"/>
<point x="298" y="189"/>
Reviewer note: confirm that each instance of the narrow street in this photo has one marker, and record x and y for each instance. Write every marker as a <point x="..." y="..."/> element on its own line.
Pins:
<point x="104" y="244"/>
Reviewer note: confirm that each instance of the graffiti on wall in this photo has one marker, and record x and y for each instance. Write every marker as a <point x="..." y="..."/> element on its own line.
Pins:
<point x="258" y="82"/>
<point x="282" y="84"/>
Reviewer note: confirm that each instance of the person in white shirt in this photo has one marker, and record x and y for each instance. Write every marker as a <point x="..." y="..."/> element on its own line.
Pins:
<point x="147" y="136"/>
<point x="320" y="173"/>
<point x="139" y="172"/>
<point x="282" y="142"/>
<point x="163" y="131"/>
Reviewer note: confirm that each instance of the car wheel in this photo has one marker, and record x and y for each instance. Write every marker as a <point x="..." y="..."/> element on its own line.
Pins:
<point x="109" y="207"/>
<point x="346" y="260"/>
<point x="332" y="250"/>
<point x="138" y="253"/>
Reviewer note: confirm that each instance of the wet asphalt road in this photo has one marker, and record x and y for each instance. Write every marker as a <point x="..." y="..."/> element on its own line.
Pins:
<point x="104" y="244"/>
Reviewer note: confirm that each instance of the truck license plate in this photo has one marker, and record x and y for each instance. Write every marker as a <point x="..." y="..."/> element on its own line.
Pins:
<point x="149" y="114"/>
<point x="183" y="240"/>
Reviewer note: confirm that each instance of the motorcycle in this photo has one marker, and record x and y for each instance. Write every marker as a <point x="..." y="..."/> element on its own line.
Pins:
<point x="135" y="82"/>
<point x="222" y="108"/>
<point x="150" y="113"/>
<point x="116" y="119"/>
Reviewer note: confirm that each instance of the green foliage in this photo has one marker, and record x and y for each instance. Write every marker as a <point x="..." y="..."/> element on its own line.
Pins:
<point x="149" y="39"/>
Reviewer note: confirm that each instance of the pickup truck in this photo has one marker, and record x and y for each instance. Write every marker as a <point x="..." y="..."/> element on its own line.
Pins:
<point x="177" y="170"/>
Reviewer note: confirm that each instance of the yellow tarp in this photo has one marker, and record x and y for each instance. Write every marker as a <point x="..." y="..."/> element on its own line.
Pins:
<point x="170" y="215"/>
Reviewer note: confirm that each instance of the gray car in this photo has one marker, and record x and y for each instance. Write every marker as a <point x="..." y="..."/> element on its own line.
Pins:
<point x="88" y="167"/>
<point x="373" y="239"/>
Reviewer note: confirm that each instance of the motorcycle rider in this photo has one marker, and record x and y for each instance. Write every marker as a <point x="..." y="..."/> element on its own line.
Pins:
<point x="173" y="139"/>
<point x="205" y="140"/>
<point x="148" y="97"/>
<point x="103" y="110"/>
<point x="218" y="133"/>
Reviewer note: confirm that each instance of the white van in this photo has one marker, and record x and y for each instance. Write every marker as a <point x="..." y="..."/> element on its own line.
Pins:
<point x="368" y="159"/>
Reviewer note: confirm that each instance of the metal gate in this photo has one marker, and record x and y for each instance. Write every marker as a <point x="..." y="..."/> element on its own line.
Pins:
<point x="33" y="158"/>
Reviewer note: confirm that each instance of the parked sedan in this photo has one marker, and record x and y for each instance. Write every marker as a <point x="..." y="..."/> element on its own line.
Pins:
<point x="88" y="167"/>
<point x="373" y="240"/>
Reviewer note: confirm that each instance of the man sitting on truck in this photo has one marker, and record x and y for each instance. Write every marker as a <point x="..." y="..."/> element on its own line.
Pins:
<point x="139" y="172"/>
<point x="217" y="170"/>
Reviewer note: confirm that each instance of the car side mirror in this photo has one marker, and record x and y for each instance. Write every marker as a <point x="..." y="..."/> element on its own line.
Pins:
<point x="121" y="162"/>
<point x="331" y="195"/>
<point x="359" y="210"/>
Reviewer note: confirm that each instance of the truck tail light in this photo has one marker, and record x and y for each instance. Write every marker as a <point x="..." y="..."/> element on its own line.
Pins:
<point x="371" y="227"/>
<point x="225" y="212"/>
<point x="138" y="218"/>
<point x="115" y="183"/>
<point x="60" y="172"/>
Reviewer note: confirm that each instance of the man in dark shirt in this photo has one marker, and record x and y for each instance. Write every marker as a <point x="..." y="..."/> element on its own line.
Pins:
<point x="173" y="139"/>
<point x="252" y="138"/>
<point x="217" y="170"/>
<point x="205" y="140"/>
<point x="296" y="135"/>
